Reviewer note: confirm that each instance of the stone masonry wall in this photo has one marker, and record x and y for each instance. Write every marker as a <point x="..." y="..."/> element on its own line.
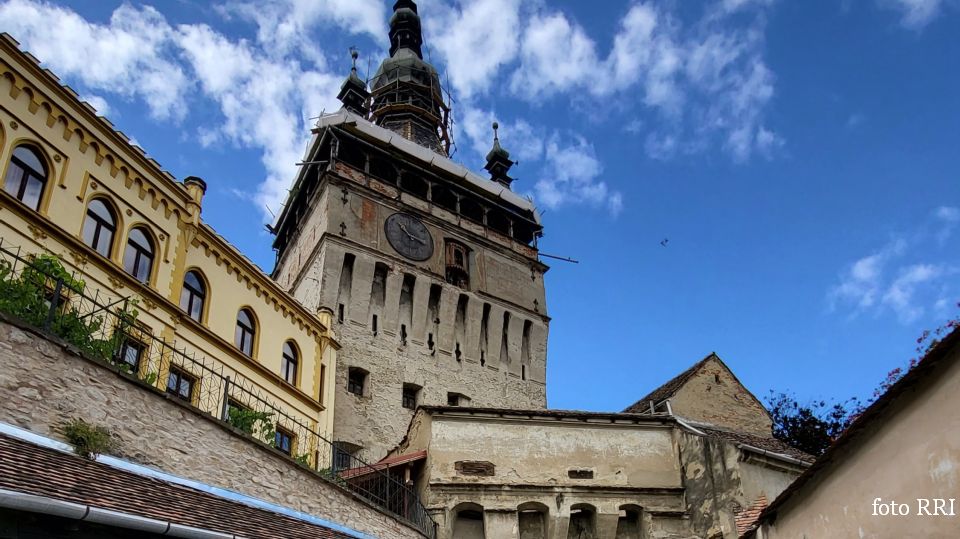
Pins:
<point x="443" y="353"/>
<point x="715" y="396"/>
<point x="43" y="384"/>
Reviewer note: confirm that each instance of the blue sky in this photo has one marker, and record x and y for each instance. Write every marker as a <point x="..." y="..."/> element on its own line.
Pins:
<point x="801" y="157"/>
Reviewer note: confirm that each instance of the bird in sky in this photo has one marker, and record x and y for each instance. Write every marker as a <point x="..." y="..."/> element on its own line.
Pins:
<point x="664" y="242"/>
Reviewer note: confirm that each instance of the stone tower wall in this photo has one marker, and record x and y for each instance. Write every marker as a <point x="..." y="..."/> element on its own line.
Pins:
<point x="420" y="338"/>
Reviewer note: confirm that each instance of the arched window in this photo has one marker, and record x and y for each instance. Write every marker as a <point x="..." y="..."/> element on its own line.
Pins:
<point x="245" y="333"/>
<point x="532" y="518"/>
<point x="583" y="521"/>
<point x="138" y="256"/>
<point x="290" y="362"/>
<point x="193" y="295"/>
<point x="99" y="227"/>
<point x="468" y="521"/>
<point x="26" y="176"/>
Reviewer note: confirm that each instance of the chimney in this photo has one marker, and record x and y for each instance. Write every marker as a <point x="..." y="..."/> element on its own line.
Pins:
<point x="195" y="188"/>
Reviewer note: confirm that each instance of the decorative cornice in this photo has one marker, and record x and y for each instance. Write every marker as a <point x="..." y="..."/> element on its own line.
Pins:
<point x="248" y="274"/>
<point x="136" y="167"/>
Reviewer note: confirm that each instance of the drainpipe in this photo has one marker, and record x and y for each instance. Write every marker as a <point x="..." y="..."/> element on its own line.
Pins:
<point x="779" y="456"/>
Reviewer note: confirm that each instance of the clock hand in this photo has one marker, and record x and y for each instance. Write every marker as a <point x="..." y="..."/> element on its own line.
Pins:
<point x="411" y="236"/>
<point x="407" y="232"/>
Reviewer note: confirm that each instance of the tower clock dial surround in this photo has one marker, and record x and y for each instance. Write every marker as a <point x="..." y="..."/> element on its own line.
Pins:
<point x="409" y="236"/>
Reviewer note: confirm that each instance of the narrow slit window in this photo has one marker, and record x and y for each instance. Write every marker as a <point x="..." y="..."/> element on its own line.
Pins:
<point x="410" y="394"/>
<point x="356" y="381"/>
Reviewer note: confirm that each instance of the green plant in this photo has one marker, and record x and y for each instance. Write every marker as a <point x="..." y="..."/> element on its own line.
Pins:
<point x="150" y="378"/>
<point x="31" y="297"/>
<point x="303" y="459"/>
<point x="332" y="476"/>
<point x="88" y="440"/>
<point x="256" y="424"/>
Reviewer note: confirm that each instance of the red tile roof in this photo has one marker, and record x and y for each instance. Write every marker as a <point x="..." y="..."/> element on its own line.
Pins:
<point x="383" y="464"/>
<point x="767" y="443"/>
<point x="30" y="469"/>
<point x="746" y="518"/>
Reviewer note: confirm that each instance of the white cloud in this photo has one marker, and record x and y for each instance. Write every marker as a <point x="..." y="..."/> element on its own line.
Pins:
<point x="97" y="102"/>
<point x="129" y="56"/>
<point x="900" y="294"/>
<point x="690" y="84"/>
<point x="948" y="214"/>
<point x="568" y="173"/>
<point x="570" y="176"/>
<point x="947" y="218"/>
<point x="288" y="26"/>
<point x="861" y="285"/>
<point x="915" y="14"/>
<point x="520" y="138"/>
<point x="731" y="6"/>
<point x="265" y="97"/>
<point x="701" y="80"/>
<point x="475" y="39"/>
<point x="904" y="277"/>
<point x="264" y="101"/>
<point x="556" y="55"/>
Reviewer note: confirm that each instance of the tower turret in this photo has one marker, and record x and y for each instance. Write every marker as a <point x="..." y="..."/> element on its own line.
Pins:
<point x="407" y="97"/>
<point x="498" y="161"/>
<point x="353" y="92"/>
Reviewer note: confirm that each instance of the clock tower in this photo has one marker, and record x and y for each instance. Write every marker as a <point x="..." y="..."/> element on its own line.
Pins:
<point x="429" y="270"/>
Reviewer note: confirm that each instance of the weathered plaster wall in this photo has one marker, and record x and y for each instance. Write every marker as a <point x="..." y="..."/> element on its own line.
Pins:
<point x="530" y="494"/>
<point x="757" y="479"/>
<point x="42" y="385"/>
<point x="912" y="453"/>
<point x="711" y="477"/>
<point x="542" y="453"/>
<point x="713" y="395"/>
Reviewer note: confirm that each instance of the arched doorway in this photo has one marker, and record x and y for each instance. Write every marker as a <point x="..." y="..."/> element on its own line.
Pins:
<point x="468" y="521"/>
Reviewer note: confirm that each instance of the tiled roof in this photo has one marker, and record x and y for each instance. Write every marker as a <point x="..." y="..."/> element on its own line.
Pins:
<point x="383" y="464"/>
<point x="39" y="471"/>
<point x="556" y="414"/>
<point x="767" y="443"/>
<point x="746" y="518"/>
<point x="668" y="389"/>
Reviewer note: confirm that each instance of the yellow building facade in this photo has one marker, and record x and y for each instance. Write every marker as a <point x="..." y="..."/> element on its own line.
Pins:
<point x="76" y="188"/>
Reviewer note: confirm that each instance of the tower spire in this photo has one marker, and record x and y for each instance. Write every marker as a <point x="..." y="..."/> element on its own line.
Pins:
<point x="498" y="161"/>
<point x="405" y="31"/>
<point x="407" y="97"/>
<point x="353" y="92"/>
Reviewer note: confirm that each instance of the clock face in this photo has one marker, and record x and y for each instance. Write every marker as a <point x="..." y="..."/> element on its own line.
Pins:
<point x="408" y="236"/>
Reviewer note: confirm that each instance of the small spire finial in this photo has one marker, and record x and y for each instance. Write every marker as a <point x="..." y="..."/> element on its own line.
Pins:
<point x="496" y="126"/>
<point x="354" y="54"/>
